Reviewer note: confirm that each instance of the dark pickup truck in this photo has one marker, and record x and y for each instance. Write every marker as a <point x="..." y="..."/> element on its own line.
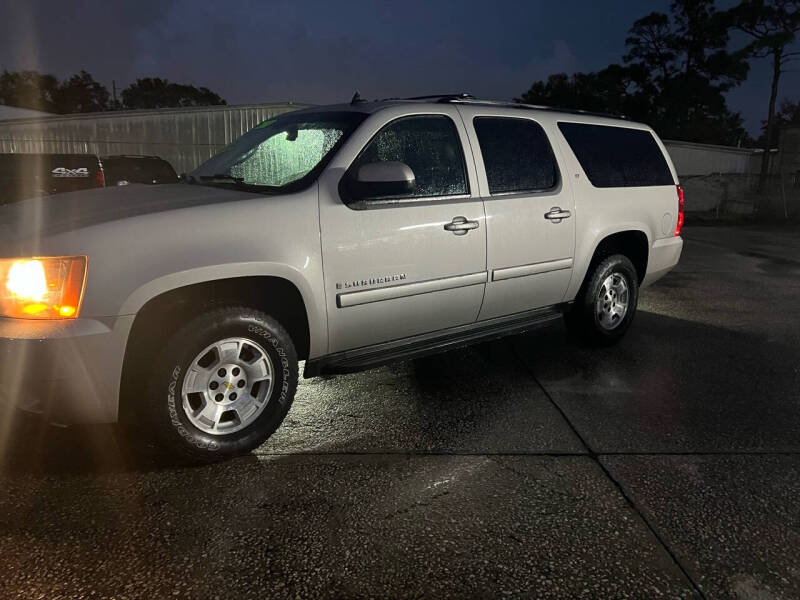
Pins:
<point x="25" y="176"/>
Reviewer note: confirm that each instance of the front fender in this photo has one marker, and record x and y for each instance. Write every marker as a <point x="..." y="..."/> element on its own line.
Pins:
<point x="151" y="289"/>
<point x="135" y="259"/>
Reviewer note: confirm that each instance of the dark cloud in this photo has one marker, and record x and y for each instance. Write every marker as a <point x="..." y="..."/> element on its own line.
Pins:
<point x="256" y="51"/>
<point x="66" y="37"/>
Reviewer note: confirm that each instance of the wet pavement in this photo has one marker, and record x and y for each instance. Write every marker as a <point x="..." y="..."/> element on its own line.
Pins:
<point x="667" y="466"/>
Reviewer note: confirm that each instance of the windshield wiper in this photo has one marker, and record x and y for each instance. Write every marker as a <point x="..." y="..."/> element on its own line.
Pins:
<point x="223" y="177"/>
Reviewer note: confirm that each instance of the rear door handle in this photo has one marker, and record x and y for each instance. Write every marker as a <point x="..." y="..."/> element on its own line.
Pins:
<point x="460" y="225"/>
<point x="555" y="214"/>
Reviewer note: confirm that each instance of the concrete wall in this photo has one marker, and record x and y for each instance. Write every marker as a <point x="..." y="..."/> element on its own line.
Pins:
<point x="692" y="159"/>
<point x="720" y="194"/>
<point x="721" y="180"/>
<point x="185" y="137"/>
<point x="715" y="179"/>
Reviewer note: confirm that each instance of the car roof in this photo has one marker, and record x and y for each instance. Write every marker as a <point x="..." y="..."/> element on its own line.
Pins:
<point x="371" y="106"/>
<point x="131" y="156"/>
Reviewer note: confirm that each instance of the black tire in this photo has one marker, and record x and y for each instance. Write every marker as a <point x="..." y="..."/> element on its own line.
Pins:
<point x="163" y="408"/>
<point x="583" y="320"/>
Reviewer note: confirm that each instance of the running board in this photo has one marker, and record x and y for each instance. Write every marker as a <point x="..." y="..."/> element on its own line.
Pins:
<point x="360" y="359"/>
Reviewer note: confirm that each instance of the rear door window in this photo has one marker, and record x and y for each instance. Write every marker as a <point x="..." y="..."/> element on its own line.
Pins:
<point x="617" y="156"/>
<point x="516" y="154"/>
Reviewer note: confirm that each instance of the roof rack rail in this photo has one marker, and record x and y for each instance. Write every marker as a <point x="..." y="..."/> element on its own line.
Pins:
<point x="442" y="98"/>
<point x="571" y="111"/>
<point x="466" y="98"/>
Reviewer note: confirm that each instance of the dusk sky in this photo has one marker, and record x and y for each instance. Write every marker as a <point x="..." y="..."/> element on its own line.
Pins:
<point x="321" y="52"/>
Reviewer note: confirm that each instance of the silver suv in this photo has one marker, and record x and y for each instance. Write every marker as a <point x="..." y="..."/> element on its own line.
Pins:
<point x="346" y="236"/>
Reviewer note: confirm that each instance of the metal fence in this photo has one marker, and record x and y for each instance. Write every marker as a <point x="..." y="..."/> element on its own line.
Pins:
<point x="184" y="137"/>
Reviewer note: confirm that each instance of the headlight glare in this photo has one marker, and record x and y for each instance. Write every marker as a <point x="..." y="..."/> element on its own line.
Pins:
<point x="42" y="287"/>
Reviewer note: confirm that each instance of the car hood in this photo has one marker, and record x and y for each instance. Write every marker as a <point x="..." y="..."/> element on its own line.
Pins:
<point x="60" y="213"/>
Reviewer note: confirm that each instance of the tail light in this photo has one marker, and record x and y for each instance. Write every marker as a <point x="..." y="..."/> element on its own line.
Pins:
<point x="679" y="226"/>
<point x="101" y="178"/>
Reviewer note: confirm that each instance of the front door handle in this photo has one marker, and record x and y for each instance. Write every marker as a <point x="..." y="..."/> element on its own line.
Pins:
<point x="555" y="214"/>
<point x="460" y="225"/>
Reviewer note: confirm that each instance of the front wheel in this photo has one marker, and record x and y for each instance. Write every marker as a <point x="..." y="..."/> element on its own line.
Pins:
<point x="222" y="384"/>
<point x="606" y="304"/>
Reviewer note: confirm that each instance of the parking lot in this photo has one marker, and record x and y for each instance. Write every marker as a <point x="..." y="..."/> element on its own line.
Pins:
<point x="666" y="466"/>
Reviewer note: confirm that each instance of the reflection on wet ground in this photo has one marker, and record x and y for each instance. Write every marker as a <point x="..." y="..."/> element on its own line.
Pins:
<point x="529" y="467"/>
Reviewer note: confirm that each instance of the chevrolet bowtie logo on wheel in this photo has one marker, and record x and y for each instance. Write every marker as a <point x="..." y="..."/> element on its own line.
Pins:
<point x="64" y="172"/>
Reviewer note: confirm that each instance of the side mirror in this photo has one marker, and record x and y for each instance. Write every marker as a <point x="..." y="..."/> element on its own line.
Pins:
<point x="381" y="179"/>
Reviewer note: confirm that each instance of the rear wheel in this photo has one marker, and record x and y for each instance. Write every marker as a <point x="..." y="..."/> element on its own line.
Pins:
<point x="222" y="384"/>
<point x="606" y="304"/>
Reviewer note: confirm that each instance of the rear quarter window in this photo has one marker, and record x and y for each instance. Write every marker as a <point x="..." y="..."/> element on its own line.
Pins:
<point x="617" y="156"/>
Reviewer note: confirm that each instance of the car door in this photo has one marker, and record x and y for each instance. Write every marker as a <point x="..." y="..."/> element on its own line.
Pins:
<point x="412" y="263"/>
<point x="530" y="212"/>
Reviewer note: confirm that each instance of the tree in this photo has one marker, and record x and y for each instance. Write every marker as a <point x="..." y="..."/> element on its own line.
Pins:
<point x="28" y="89"/>
<point x="611" y="90"/>
<point x="31" y="89"/>
<point x="773" y="25"/>
<point x="154" y="92"/>
<point x="651" y="42"/>
<point x="687" y="70"/>
<point x="674" y="77"/>
<point x="81" y="94"/>
<point x="787" y="115"/>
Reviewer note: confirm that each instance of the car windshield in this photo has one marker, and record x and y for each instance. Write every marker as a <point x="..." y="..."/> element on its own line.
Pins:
<point x="281" y="154"/>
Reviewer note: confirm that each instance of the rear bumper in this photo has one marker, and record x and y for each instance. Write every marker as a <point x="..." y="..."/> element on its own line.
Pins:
<point x="664" y="255"/>
<point x="67" y="371"/>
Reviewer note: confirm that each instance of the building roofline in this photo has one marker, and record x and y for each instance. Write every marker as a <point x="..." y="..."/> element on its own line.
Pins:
<point x="719" y="147"/>
<point x="365" y="105"/>
<point x="152" y="111"/>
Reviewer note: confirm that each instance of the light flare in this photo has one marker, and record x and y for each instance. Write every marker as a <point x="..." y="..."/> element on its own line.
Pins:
<point x="26" y="280"/>
<point x="42" y="287"/>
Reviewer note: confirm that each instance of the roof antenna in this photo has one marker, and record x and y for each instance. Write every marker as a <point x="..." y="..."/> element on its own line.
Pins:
<point x="356" y="98"/>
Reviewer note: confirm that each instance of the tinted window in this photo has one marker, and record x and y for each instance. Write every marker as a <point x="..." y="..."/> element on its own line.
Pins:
<point x="516" y="154"/>
<point x="134" y="169"/>
<point x="428" y="144"/>
<point x="617" y="156"/>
